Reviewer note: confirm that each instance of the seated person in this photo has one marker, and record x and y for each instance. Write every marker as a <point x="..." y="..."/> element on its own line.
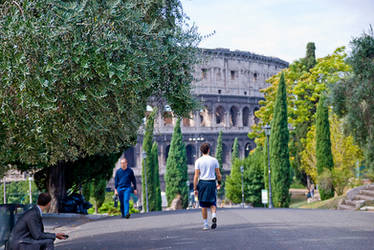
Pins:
<point x="28" y="233"/>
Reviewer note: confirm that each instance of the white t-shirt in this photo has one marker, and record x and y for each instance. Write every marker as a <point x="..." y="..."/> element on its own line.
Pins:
<point x="207" y="166"/>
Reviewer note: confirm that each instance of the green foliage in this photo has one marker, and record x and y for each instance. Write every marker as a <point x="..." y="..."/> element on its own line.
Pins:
<point x="18" y="192"/>
<point x="234" y="183"/>
<point x="219" y="157"/>
<point x="279" y="155"/>
<point x="304" y="87"/>
<point x="87" y="190"/>
<point x="310" y="58"/>
<point x="235" y="150"/>
<point x="353" y="97"/>
<point x="156" y="175"/>
<point x="176" y="175"/>
<point x="253" y="181"/>
<point x="148" y="164"/>
<point x="108" y="208"/>
<point x="98" y="193"/>
<point x="324" y="158"/>
<point x="253" y="177"/>
<point x="76" y="77"/>
<point x="325" y="184"/>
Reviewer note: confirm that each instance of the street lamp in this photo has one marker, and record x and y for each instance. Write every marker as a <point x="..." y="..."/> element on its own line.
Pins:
<point x="242" y="170"/>
<point x="196" y="140"/>
<point x="267" y="129"/>
<point x="144" y="155"/>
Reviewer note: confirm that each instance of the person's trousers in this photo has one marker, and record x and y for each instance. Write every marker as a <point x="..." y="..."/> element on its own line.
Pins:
<point x="44" y="244"/>
<point x="124" y="198"/>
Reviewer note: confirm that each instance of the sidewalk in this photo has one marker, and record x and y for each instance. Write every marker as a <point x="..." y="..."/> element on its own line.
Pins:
<point x="66" y="222"/>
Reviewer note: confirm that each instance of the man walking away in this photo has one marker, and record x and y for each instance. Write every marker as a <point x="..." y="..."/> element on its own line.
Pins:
<point x="122" y="187"/>
<point x="28" y="233"/>
<point x="206" y="173"/>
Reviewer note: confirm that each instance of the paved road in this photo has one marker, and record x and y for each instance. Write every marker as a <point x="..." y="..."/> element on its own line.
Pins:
<point x="279" y="229"/>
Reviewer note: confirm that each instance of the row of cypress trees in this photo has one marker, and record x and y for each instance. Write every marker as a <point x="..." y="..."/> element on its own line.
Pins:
<point x="150" y="168"/>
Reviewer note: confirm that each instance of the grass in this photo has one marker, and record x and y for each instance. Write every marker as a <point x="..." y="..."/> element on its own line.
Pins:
<point x="326" y="204"/>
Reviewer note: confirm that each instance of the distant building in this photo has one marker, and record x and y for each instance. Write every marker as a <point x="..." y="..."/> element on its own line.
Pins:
<point x="228" y="83"/>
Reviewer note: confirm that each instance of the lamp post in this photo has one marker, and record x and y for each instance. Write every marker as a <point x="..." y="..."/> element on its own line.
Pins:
<point x="242" y="170"/>
<point x="267" y="129"/>
<point x="196" y="140"/>
<point x="144" y="155"/>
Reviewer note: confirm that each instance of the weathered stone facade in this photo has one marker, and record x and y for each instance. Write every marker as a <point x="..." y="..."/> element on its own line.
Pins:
<point x="228" y="84"/>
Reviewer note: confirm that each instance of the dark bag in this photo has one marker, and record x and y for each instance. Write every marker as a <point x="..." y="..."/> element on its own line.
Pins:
<point x="115" y="199"/>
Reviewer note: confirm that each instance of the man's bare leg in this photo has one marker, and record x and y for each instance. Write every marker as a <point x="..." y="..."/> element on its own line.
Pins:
<point x="204" y="212"/>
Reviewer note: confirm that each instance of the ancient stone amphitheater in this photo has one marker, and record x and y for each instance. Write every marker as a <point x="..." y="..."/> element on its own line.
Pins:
<point x="228" y="84"/>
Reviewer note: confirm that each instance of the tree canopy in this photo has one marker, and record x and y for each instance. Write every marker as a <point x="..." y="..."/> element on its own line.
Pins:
<point x="76" y="75"/>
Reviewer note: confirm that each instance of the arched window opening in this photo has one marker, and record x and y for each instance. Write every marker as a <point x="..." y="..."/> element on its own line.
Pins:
<point x="245" y="117"/>
<point x="247" y="149"/>
<point x="220" y="115"/>
<point x="233" y="116"/>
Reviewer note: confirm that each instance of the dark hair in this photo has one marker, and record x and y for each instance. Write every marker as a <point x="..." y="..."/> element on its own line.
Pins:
<point x="204" y="148"/>
<point x="44" y="199"/>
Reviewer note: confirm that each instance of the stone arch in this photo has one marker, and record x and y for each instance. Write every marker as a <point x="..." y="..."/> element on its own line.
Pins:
<point x="247" y="149"/>
<point x="245" y="116"/>
<point x="256" y="120"/>
<point x="129" y="154"/>
<point x="220" y="115"/>
<point x="191" y="154"/>
<point x="187" y="121"/>
<point x="166" y="154"/>
<point x="204" y="118"/>
<point x="234" y="116"/>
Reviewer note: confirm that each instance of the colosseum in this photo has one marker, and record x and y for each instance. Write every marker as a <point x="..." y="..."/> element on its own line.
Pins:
<point x="228" y="85"/>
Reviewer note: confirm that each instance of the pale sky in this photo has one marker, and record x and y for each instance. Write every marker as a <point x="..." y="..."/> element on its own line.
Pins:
<point x="280" y="28"/>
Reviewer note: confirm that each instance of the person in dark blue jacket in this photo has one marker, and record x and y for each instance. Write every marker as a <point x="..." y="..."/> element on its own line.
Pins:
<point x="122" y="187"/>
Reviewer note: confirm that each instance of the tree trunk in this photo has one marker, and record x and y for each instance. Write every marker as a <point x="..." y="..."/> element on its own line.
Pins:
<point x="56" y="186"/>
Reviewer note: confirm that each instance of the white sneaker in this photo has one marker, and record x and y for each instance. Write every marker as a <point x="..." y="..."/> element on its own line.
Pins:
<point x="206" y="227"/>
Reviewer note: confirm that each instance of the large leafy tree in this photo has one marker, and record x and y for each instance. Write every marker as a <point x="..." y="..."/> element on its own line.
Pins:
<point x="76" y="76"/>
<point x="353" y="97"/>
<point x="176" y="175"/>
<point x="344" y="150"/>
<point x="304" y="87"/>
<point x="279" y="154"/>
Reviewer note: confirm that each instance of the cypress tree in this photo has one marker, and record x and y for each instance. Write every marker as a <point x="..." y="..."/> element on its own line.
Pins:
<point x="323" y="150"/>
<point x="279" y="154"/>
<point x="310" y="59"/>
<point x="176" y="175"/>
<point x="156" y="175"/>
<point x="148" y="164"/>
<point x="235" y="150"/>
<point x="219" y="156"/>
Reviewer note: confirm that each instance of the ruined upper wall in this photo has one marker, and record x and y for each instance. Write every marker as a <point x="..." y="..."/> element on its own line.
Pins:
<point x="225" y="72"/>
